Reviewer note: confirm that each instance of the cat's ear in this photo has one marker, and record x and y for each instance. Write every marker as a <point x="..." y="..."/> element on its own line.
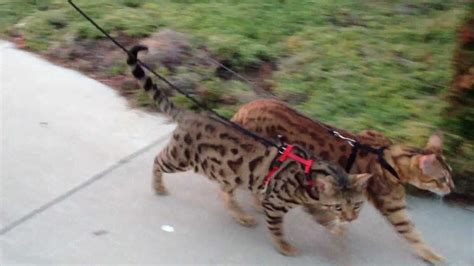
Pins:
<point x="425" y="163"/>
<point x="435" y="143"/>
<point x="324" y="185"/>
<point x="359" y="182"/>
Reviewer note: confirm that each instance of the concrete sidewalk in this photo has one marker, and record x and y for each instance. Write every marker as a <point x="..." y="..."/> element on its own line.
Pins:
<point x="59" y="130"/>
<point x="75" y="188"/>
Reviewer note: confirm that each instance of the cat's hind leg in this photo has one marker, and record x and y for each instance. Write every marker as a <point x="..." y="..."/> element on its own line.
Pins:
<point x="167" y="161"/>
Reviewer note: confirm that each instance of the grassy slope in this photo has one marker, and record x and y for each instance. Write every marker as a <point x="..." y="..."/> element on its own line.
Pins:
<point x="354" y="64"/>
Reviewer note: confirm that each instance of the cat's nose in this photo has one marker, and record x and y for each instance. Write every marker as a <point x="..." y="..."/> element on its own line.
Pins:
<point x="349" y="217"/>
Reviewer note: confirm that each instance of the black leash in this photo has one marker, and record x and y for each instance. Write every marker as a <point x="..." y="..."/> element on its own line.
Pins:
<point x="201" y="105"/>
<point x="356" y="146"/>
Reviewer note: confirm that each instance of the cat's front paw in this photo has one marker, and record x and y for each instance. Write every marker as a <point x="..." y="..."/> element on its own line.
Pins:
<point x="246" y="220"/>
<point x="338" y="230"/>
<point x="336" y="227"/>
<point x="286" y="249"/>
<point x="161" y="190"/>
<point x="429" y="255"/>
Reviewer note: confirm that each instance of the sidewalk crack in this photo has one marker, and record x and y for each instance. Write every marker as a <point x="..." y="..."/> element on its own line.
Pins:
<point x="81" y="186"/>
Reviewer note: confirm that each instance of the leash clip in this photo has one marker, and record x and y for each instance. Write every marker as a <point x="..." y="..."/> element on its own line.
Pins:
<point x="349" y="140"/>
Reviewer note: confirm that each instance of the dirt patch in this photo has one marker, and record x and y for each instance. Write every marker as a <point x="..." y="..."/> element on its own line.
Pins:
<point x="169" y="48"/>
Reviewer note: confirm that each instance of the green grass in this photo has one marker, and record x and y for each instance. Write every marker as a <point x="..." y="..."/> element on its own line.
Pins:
<point x="384" y="65"/>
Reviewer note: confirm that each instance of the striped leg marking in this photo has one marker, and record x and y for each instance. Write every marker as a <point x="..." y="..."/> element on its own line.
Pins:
<point x="274" y="214"/>
<point x="164" y="163"/>
<point x="397" y="215"/>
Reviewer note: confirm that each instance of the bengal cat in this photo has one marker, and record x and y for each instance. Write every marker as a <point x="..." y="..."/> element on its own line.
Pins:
<point x="234" y="160"/>
<point x="424" y="168"/>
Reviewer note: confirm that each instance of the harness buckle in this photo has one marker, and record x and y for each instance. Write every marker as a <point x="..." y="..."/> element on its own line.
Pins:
<point x="282" y="149"/>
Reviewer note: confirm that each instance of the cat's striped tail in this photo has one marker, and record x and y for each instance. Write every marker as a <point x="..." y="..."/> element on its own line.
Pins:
<point x="151" y="88"/>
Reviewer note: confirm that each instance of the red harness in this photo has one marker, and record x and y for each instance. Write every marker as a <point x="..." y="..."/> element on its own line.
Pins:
<point x="285" y="154"/>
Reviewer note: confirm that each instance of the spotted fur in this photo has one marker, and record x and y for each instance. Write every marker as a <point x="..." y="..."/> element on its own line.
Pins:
<point x="423" y="168"/>
<point x="233" y="160"/>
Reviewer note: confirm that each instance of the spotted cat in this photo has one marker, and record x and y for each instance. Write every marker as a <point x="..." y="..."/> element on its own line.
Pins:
<point x="203" y="144"/>
<point x="423" y="168"/>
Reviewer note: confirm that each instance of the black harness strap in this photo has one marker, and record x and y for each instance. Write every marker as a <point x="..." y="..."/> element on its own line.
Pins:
<point x="385" y="164"/>
<point x="352" y="157"/>
<point x="356" y="147"/>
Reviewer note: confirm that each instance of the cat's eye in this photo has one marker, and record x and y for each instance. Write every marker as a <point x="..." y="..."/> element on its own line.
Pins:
<point x="444" y="178"/>
<point x="338" y="207"/>
<point x="357" y="205"/>
<point x="326" y="206"/>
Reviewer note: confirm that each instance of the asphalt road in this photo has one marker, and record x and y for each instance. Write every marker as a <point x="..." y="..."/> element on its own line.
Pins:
<point x="75" y="188"/>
